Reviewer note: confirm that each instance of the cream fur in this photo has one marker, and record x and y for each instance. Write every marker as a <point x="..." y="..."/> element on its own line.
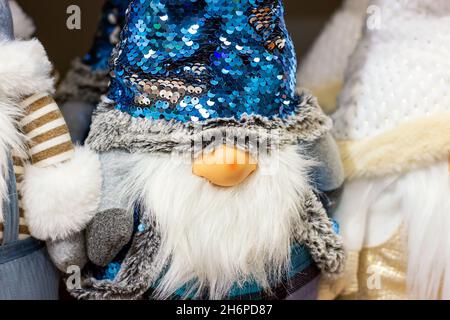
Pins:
<point x="61" y="200"/>
<point x="214" y="237"/>
<point x="411" y="145"/>
<point x="24" y="27"/>
<point x="25" y="69"/>
<point x="10" y="139"/>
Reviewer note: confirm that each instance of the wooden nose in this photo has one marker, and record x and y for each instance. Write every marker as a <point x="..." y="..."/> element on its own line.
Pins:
<point x="225" y="166"/>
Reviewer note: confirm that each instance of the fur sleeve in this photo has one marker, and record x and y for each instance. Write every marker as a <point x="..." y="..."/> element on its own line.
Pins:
<point x="25" y="69"/>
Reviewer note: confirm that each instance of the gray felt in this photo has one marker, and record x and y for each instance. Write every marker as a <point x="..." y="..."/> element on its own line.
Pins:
<point x="68" y="252"/>
<point x="108" y="233"/>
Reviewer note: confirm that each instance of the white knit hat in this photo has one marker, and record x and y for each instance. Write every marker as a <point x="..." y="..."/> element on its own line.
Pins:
<point x="323" y="69"/>
<point x="394" y="111"/>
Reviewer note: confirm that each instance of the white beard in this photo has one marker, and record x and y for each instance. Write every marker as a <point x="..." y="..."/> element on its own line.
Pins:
<point x="214" y="238"/>
<point x="10" y="139"/>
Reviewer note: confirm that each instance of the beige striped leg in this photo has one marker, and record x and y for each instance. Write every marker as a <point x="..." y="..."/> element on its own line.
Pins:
<point x="44" y="126"/>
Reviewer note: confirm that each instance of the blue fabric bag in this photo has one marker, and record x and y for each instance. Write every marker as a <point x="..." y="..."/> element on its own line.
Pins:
<point x="26" y="272"/>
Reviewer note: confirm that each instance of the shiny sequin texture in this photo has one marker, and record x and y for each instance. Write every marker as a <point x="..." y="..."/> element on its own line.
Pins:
<point x="108" y="34"/>
<point x="195" y="60"/>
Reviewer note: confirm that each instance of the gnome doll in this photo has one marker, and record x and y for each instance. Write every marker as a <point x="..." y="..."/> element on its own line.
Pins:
<point x="393" y="127"/>
<point x="49" y="190"/>
<point x="88" y="79"/>
<point x="323" y="69"/>
<point x="216" y="173"/>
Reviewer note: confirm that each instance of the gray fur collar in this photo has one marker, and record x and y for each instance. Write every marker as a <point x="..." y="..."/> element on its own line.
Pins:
<point x="112" y="129"/>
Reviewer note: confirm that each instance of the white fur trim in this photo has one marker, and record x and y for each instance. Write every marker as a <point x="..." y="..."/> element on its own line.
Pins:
<point x="25" y="69"/>
<point x="61" y="200"/>
<point x="411" y="145"/>
<point x="24" y="27"/>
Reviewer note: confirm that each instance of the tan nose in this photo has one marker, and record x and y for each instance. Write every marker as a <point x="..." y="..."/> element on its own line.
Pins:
<point x="225" y="166"/>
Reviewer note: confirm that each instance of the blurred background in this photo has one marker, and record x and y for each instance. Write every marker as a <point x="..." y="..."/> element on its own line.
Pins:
<point x="305" y="20"/>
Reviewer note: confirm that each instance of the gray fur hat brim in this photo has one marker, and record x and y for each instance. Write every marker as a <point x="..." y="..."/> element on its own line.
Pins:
<point x="112" y="129"/>
<point x="6" y="22"/>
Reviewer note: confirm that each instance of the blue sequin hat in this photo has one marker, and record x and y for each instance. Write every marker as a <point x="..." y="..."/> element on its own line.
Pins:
<point x="218" y="64"/>
<point x="88" y="77"/>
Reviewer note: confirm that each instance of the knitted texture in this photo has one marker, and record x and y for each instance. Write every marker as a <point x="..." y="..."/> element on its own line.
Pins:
<point x="327" y="249"/>
<point x="399" y="70"/>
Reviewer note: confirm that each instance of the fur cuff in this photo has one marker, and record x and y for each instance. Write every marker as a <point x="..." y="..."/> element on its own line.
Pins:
<point x="27" y="70"/>
<point x="61" y="200"/>
<point x="415" y="144"/>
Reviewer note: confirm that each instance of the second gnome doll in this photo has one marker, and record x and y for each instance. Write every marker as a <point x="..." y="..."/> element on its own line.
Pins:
<point x="88" y="78"/>
<point x="209" y="152"/>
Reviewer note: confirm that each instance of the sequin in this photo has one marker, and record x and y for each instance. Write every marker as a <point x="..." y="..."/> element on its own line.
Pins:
<point x="108" y="34"/>
<point x="194" y="60"/>
<point x="141" y="227"/>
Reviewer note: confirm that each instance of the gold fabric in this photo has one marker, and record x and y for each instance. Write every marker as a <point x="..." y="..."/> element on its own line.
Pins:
<point x="381" y="272"/>
<point x="330" y="289"/>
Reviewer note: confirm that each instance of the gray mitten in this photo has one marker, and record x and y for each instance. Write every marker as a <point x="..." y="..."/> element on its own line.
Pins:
<point x="108" y="233"/>
<point x="68" y="252"/>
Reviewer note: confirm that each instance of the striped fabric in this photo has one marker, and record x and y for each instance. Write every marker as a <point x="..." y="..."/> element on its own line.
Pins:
<point x="49" y="143"/>
<point x="44" y="126"/>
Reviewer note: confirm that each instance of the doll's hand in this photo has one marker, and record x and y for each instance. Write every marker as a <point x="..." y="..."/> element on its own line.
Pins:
<point x="107" y="234"/>
<point x="68" y="252"/>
